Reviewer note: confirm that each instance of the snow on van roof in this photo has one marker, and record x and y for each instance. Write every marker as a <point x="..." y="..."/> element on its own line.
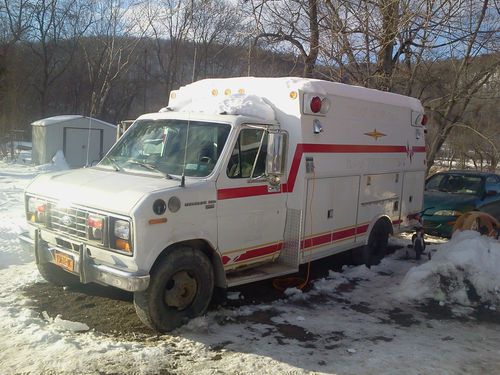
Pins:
<point x="277" y="90"/>
<point x="236" y="104"/>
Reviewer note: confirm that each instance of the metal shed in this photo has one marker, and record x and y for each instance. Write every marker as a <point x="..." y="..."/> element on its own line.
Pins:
<point x="83" y="140"/>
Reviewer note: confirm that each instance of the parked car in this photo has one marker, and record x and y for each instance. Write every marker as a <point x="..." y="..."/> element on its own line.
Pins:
<point x="450" y="194"/>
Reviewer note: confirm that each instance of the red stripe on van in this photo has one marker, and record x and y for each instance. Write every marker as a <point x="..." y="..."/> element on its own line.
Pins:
<point x="302" y="148"/>
<point x="266" y="250"/>
<point x="241" y="192"/>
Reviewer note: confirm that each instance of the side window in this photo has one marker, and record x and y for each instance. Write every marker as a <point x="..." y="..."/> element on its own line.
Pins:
<point x="250" y="149"/>
<point x="434" y="182"/>
<point x="493" y="183"/>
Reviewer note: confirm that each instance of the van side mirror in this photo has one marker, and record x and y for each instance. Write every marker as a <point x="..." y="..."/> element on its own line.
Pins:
<point x="276" y="153"/>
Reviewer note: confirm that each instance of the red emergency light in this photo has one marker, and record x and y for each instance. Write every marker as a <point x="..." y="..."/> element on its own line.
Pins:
<point x="315" y="104"/>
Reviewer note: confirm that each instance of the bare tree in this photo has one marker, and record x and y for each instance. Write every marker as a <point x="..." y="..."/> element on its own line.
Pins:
<point x="168" y="23"/>
<point x="215" y="27"/>
<point x="109" y="50"/>
<point x="286" y="25"/>
<point x="54" y="31"/>
<point x="14" y="22"/>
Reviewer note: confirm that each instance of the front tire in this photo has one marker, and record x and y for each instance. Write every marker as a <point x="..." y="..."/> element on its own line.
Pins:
<point x="180" y="289"/>
<point x="57" y="276"/>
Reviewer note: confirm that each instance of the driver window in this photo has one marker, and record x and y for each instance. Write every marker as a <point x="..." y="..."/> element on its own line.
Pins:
<point x="245" y="152"/>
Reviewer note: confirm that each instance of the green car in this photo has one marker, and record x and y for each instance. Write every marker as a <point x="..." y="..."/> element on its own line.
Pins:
<point x="450" y="194"/>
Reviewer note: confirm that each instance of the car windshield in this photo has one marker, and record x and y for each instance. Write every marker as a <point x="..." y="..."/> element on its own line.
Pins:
<point x="158" y="146"/>
<point x="455" y="183"/>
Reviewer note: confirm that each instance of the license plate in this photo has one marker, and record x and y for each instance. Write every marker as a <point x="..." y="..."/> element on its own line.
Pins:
<point x="64" y="260"/>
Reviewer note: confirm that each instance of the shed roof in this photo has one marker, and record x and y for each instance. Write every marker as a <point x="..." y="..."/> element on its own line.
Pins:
<point x="66" y="118"/>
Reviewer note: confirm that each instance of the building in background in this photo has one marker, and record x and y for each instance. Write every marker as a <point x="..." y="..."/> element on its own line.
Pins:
<point x="83" y="140"/>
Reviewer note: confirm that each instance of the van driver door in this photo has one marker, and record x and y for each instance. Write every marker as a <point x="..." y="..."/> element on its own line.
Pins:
<point x="251" y="213"/>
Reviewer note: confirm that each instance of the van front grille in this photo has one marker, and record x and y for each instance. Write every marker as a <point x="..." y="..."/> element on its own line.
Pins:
<point x="71" y="221"/>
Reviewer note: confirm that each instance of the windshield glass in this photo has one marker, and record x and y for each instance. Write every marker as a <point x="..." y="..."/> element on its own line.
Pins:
<point x="159" y="146"/>
<point x="451" y="183"/>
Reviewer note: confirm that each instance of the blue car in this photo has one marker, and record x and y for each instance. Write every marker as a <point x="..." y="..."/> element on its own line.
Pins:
<point x="450" y="194"/>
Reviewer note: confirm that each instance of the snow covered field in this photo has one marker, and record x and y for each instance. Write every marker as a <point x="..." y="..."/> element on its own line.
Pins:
<point x="401" y="317"/>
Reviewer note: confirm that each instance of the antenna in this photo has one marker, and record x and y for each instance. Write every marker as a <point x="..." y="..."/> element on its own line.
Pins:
<point x="90" y="127"/>
<point x="88" y="139"/>
<point x="194" y="61"/>
<point x="183" y="176"/>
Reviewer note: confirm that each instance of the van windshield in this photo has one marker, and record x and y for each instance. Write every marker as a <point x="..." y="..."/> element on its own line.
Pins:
<point x="159" y="146"/>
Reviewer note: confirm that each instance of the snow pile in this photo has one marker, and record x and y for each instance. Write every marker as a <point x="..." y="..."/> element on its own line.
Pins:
<point x="65" y="325"/>
<point x="465" y="270"/>
<point x="237" y="104"/>
<point x="58" y="163"/>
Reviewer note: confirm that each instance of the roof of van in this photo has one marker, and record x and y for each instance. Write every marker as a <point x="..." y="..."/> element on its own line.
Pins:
<point x="280" y="89"/>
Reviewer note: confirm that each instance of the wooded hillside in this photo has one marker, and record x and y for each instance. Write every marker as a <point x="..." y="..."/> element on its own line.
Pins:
<point x="116" y="59"/>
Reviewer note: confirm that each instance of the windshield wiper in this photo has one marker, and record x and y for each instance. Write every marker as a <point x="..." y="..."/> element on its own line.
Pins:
<point x="114" y="163"/>
<point x="153" y="168"/>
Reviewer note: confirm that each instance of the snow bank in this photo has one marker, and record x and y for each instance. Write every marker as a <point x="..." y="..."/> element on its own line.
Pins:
<point x="466" y="270"/>
<point x="58" y="163"/>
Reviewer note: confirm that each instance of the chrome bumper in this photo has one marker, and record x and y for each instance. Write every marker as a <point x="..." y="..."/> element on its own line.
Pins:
<point x="85" y="267"/>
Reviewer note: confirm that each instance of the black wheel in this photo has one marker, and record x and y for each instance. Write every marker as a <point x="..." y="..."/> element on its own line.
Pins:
<point x="375" y="250"/>
<point x="56" y="275"/>
<point x="180" y="288"/>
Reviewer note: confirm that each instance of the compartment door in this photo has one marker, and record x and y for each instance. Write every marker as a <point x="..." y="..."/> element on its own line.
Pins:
<point x="330" y="215"/>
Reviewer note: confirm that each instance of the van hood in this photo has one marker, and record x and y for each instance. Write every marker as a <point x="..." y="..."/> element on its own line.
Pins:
<point x="107" y="190"/>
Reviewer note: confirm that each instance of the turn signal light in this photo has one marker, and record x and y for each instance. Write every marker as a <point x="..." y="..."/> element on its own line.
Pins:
<point x="123" y="245"/>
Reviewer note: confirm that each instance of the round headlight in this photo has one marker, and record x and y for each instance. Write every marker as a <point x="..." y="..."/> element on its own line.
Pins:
<point x="174" y="204"/>
<point x="159" y="207"/>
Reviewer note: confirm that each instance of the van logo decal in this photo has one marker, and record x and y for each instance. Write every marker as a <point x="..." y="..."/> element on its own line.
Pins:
<point x="375" y="134"/>
<point x="66" y="220"/>
<point x="410" y="151"/>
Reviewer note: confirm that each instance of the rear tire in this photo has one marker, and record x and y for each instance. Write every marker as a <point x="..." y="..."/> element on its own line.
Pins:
<point x="57" y="276"/>
<point x="180" y="288"/>
<point x="376" y="248"/>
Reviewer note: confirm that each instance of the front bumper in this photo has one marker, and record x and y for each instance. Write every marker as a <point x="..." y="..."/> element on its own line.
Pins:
<point x="84" y="265"/>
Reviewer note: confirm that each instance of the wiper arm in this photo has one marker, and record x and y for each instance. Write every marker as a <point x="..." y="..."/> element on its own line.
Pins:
<point x="153" y="168"/>
<point x="114" y="163"/>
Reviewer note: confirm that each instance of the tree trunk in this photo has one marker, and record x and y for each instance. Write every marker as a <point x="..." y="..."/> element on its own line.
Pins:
<point x="310" y="59"/>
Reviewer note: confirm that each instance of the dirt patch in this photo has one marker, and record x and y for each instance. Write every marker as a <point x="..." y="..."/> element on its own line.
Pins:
<point x="291" y="331"/>
<point x="348" y="287"/>
<point x="484" y="313"/>
<point x="400" y="317"/>
<point x="106" y="310"/>
<point x="285" y="330"/>
<point x="362" y="307"/>
<point x="376" y="339"/>
<point x="433" y="310"/>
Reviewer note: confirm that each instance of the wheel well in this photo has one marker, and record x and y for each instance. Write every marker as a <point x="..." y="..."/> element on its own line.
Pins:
<point x="208" y="250"/>
<point x="386" y="223"/>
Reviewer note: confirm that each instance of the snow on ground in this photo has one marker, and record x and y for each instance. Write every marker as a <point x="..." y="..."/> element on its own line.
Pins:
<point x="393" y="318"/>
<point x="465" y="271"/>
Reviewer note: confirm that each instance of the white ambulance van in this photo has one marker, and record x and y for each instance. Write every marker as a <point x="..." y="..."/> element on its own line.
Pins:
<point x="237" y="180"/>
